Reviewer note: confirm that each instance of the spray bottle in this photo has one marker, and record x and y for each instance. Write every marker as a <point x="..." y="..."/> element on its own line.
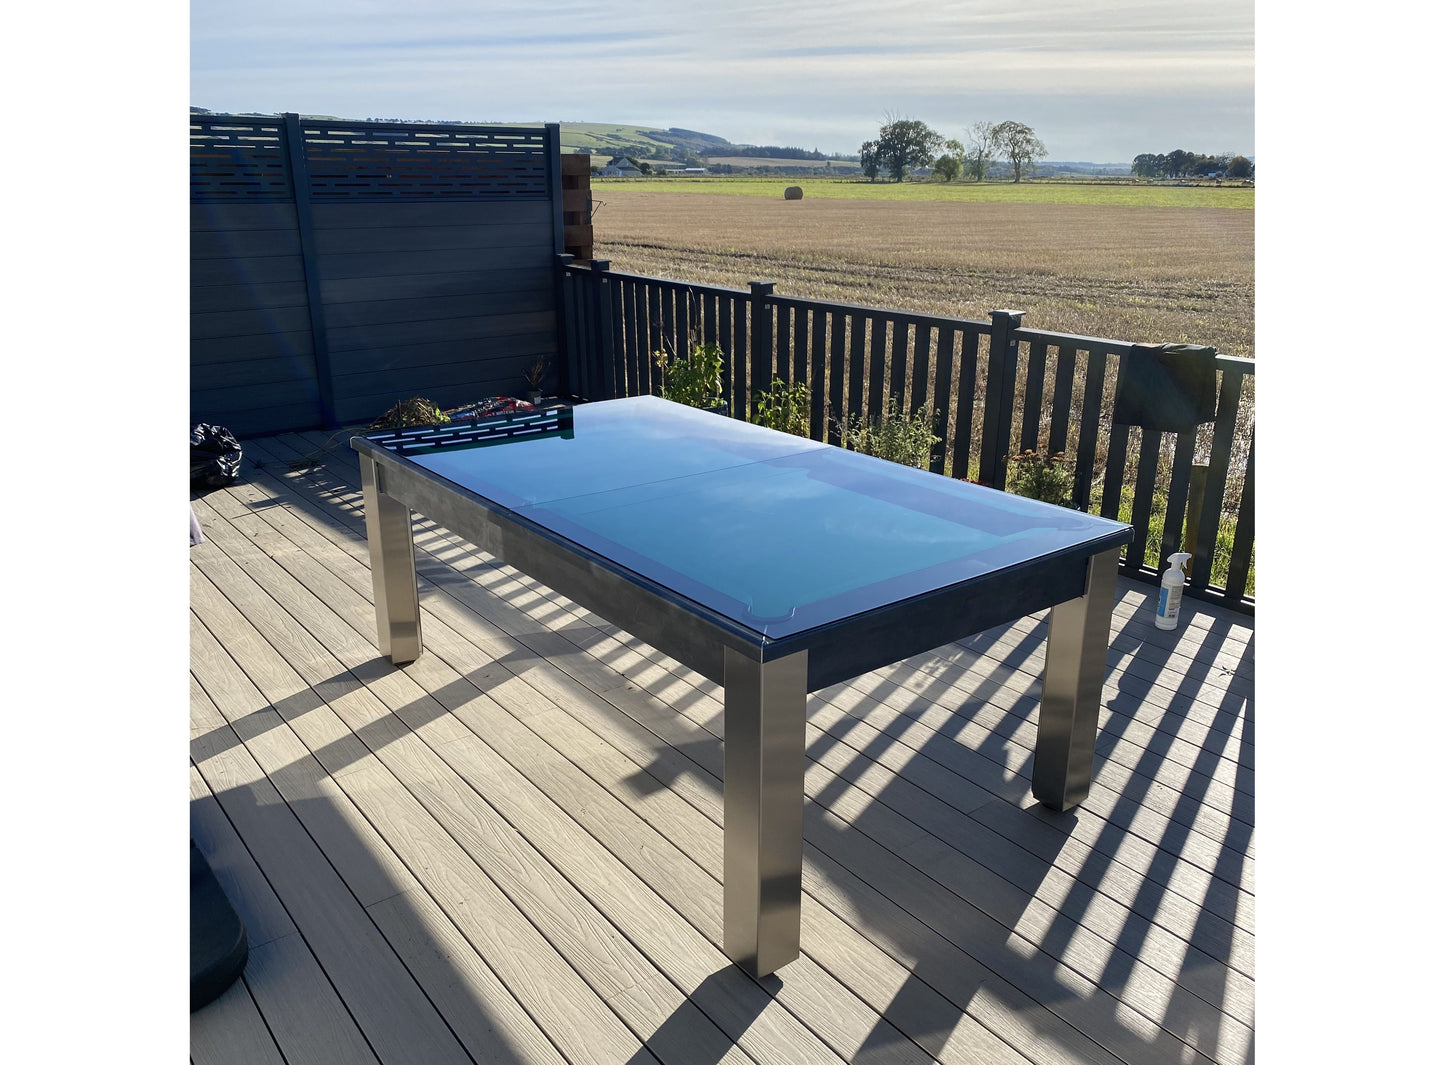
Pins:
<point x="1171" y="592"/>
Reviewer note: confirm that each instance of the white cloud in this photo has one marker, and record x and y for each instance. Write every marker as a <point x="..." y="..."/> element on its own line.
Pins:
<point x="814" y="72"/>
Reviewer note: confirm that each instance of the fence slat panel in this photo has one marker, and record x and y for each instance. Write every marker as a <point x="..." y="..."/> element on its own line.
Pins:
<point x="1033" y="396"/>
<point x="1178" y="502"/>
<point x="918" y="384"/>
<point x="668" y="294"/>
<point x="943" y="398"/>
<point x="1143" y="508"/>
<point x="857" y="339"/>
<point x="837" y="330"/>
<point x="1114" y="469"/>
<point x="898" y="365"/>
<point x="629" y="338"/>
<point x="1237" y="579"/>
<point x="1089" y="427"/>
<point x="616" y="351"/>
<point x="782" y="365"/>
<point x="967" y="389"/>
<point x="1061" y="410"/>
<point x="709" y="317"/>
<point x="761" y="336"/>
<point x="818" y="373"/>
<point x="877" y="356"/>
<point x="738" y="323"/>
<point x="1219" y="453"/>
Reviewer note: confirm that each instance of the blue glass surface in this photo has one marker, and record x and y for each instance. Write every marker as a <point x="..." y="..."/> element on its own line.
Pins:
<point x="776" y="532"/>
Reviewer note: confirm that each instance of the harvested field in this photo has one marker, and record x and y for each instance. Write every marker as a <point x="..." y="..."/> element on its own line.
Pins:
<point x="1138" y="273"/>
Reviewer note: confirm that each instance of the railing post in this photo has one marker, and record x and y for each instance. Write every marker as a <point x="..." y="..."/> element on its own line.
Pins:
<point x="566" y="377"/>
<point x="761" y="341"/>
<point x="306" y="230"/>
<point x="998" y="400"/>
<point x="600" y="316"/>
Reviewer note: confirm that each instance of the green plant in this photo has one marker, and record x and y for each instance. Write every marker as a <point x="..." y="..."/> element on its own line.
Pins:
<point x="1040" y="476"/>
<point x="783" y="407"/>
<point x="905" y="439"/>
<point x="694" y="378"/>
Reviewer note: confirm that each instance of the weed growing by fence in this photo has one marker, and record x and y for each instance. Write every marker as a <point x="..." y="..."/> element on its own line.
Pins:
<point x="783" y="407"/>
<point x="1049" y="478"/>
<point x="694" y="378"/>
<point x="905" y="439"/>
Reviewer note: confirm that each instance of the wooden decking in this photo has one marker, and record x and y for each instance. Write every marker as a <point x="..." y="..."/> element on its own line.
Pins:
<point x="511" y="850"/>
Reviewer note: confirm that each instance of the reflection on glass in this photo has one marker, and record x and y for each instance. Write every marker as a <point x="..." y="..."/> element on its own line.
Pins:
<point x="773" y="531"/>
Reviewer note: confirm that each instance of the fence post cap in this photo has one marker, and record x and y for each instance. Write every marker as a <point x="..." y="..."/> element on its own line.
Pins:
<point x="599" y="265"/>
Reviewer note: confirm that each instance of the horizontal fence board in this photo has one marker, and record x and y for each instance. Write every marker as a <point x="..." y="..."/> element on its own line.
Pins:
<point x="246" y="348"/>
<point x="481" y="239"/>
<point x="505" y="373"/>
<point x="209" y="298"/>
<point x="247" y="270"/>
<point x="349" y="339"/>
<point x="228" y="217"/>
<point x="398" y="362"/>
<point x="292" y="370"/>
<point x="438" y="308"/>
<point x="335" y="290"/>
<point x="256" y="397"/>
<point x="258" y="421"/>
<point x="244" y="243"/>
<point x="398" y="264"/>
<point x="376" y="215"/>
<point x="250" y="322"/>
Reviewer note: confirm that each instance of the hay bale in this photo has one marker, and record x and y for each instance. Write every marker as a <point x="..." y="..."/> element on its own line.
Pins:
<point x="793" y="192"/>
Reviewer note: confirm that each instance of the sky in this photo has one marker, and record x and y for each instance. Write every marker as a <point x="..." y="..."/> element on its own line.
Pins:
<point x="1098" y="80"/>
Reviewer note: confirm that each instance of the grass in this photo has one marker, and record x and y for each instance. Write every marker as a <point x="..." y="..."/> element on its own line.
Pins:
<point x="1230" y="197"/>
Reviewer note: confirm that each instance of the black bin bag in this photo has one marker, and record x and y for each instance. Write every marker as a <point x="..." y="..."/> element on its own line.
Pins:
<point x="215" y="456"/>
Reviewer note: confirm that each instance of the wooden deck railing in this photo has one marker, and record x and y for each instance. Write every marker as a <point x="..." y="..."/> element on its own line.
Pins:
<point x="997" y="388"/>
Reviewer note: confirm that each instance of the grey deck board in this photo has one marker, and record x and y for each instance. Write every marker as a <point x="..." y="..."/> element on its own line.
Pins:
<point x="1191" y="971"/>
<point x="527" y="823"/>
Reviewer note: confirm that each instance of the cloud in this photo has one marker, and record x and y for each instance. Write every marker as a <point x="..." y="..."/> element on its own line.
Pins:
<point x="1096" y="79"/>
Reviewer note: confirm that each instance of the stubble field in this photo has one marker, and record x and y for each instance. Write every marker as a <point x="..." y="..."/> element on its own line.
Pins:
<point x="1139" y="273"/>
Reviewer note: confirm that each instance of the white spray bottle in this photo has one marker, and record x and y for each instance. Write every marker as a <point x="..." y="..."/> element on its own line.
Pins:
<point x="1171" y="592"/>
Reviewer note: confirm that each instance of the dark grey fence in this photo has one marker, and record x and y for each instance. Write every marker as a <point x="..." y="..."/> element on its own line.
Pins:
<point x="339" y="267"/>
<point x="997" y="387"/>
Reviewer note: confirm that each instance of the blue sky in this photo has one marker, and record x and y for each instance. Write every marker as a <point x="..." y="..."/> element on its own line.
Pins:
<point x="1097" y="79"/>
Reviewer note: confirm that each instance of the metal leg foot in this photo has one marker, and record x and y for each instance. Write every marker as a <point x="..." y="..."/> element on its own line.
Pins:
<point x="1073" y="685"/>
<point x="764" y="704"/>
<point x="393" y="569"/>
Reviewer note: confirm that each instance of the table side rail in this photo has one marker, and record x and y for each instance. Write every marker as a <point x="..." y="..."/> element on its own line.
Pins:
<point x="639" y="607"/>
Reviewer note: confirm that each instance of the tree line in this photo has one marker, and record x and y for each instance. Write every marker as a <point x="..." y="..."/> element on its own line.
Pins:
<point x="1179" y="163"/>
<point x="905" y="143"/>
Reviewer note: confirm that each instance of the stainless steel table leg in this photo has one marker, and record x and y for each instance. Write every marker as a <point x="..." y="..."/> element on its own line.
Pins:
<point x="1073" y="685"/>
<point x="393" y="568"/>
<point x="764" y="707"/>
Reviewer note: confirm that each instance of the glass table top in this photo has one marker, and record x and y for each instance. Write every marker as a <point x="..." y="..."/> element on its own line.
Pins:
<point x="775" y="532"/>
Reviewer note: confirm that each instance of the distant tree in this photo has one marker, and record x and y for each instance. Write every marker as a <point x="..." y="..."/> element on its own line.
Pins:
<point x="868" y="158"/>
<point x="1018" y="144"/>
<point x="1178" y="162"/>
<point x="904" y="143"/>
<point x="1147" y="165"/>
<point x="946" y="166"/>
<point x="978" y="154"/>
<point x="1240" y="167"/>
